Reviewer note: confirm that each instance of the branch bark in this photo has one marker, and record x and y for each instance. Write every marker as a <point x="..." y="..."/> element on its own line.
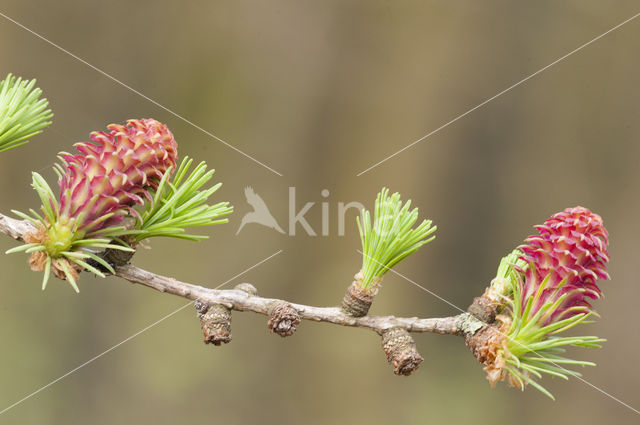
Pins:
<point x="242" y="301"/>
<point x="14" y="228"/>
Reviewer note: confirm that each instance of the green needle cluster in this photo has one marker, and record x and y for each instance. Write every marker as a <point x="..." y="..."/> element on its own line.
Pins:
<point x="390" y="238"/>
<point x="180" y="202"/>
<point x="70" y="244"/>
<point x="22" y="113"/>
<point x="533" y="350"/>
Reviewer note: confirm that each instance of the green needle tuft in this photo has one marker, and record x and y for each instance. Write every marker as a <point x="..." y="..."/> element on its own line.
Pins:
<point x="22" y="113"/>
<point x="390" y="238"/>
<point x="180" y="202"/>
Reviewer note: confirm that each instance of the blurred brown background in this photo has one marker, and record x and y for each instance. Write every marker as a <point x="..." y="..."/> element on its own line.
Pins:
<point x="320" y="91"/>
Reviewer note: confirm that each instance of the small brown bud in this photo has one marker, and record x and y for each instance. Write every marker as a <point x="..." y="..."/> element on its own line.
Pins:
<point x="283" y="319"/>
<point x="401" y="351"/>
<point x="484" y="309"/>
<point x="215" y="321"/>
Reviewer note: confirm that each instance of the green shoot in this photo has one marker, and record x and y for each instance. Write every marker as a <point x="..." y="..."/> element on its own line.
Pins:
<point x="390" y="238"/>
<point x="22" y="113"/>
<point x="180" y="202"/>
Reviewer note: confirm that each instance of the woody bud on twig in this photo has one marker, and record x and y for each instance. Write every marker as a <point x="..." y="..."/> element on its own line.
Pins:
<point x="358" y="299"/>
<point x="215" y="321"/>
<point x="482" y="308"/>
<point x="283" y="319"/>
<point x="401" y="351"/>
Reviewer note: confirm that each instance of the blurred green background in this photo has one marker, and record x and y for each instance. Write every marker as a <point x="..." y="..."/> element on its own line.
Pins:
<point x="320" y="91"/>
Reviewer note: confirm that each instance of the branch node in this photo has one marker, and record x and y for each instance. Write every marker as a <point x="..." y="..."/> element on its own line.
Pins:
<point x="401" y="351"/>
<point x="468" y="324"/>
<point x="117" y="257"/>
<point x="484" y="309"/>
<point x="247" y="287"/>
<point x="487" y="345"/>
<point x="283" y="318"/>
<point x="215" y="320"/>
<point x="201" y="308"/>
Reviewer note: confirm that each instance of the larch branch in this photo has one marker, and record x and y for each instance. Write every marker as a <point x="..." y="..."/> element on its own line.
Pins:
<point x="236" y="299"/>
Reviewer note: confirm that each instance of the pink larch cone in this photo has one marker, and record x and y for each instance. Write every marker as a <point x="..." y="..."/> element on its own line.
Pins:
<point x="114" y="173"/>
<point x="571" y="251"/>
<point x="544" y="293"/>
<point x="100" y="185"/>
